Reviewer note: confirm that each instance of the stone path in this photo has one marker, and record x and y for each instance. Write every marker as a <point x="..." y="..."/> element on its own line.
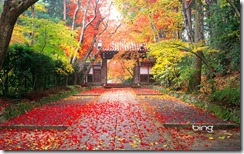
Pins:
<point x="116" y="119"/>
<point x="118" y="122"/>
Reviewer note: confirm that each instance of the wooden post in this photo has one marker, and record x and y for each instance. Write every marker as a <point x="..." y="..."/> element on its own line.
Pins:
<point x="137" y="73"/>
<point x="104" y="70"/>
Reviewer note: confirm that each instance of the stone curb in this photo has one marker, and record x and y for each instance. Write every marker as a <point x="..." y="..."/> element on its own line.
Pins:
<point x="216" y="126"/>
<point x="32" y="127"/>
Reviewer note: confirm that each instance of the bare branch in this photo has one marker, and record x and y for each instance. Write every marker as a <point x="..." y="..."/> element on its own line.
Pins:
<point x="189" y="5"/>
<point x="95" y="14"/>
<point x="75" y="14"/>
<point x="105" y="28"/>
<point x="231" y="2"/>
<point x="111" y="34"/>
<point x="187" y="21"/>
<point x="85" y="25"/>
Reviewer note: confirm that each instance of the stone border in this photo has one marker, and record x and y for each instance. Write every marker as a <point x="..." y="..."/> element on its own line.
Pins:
<point x="215" y="125"/>
<point x="32" y="127"/>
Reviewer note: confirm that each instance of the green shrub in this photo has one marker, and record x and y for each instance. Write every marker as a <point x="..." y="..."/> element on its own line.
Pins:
<point x="229" y="96"/>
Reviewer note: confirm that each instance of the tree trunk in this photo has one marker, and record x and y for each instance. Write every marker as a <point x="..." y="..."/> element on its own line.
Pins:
<point x="5" y="91"/>
<point x="84" y="23"/>
<point x="73" y="56"/>
<point x="195" y="81"/>
<point x="75" y="78"/>
<point x="198" y="22"/>
<point x="81" y="63"/>
<point x="34" y="85"/>
<point x="87" y="71"/>
<point x="232" y="3"/>
<point x="66" y="80"/>
<point x="33" y="24"/>
<point x="75" y="15"/>
<point x="11" y="11"/>
<point x="65" y="10"/>
<point x="186" y="9"/>
<point x="153" y="28"/>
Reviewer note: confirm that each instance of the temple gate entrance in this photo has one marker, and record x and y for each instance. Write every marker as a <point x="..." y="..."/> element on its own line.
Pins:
<point x="141" y="70"/>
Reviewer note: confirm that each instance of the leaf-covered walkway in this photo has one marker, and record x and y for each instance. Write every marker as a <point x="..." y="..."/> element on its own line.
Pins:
<point x="118" y="119"/>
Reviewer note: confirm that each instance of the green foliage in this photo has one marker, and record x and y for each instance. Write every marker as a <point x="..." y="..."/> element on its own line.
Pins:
<point x="29" y="65"/>
<point x="171" y="62"/>
<point x="224" y="29"/>
<point x="1" y="6"/>
<point x="229" y="96"/>
<point x="49" y="37"/>
<point x="48" y="9"/>
<point x="184" y="73"/>
<point x="128" y="81"/>
<point x="25" y="70"/>
<point x="64" y="67"/>
<point x="46" y="35"/>
<point x="54" y="8"/>
<point x="224" y="113"/>
<point x="174" y="58"/>
<point x="52" y="39"/>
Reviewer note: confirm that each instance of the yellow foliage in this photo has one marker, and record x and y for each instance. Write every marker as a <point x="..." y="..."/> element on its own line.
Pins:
<point x="40" y="7"/>
<point x="18" y="35"/>
<point x="168" y="54"/>
<point x="65" y="69"/>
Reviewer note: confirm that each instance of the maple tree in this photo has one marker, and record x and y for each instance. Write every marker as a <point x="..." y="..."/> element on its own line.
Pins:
<point x="91" y="18"/>
<point x="151" y="20"/>
<point x="54" y="39"/>
<point x="147" y="21"/>
<point x="169" y="54"/>
<point x="120" y="70"/>
<point x="49" y="37"/>
<point x="159" y="21"/>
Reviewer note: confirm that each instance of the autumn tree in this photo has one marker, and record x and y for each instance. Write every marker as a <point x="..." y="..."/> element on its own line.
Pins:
<point x="195" y="80"/>
<point x="12" y="9"/>
<point x="151" y="20"/>
<point x="120" y="70"/>
<point x="51" y="38"/>
<point x="91" y="18"/>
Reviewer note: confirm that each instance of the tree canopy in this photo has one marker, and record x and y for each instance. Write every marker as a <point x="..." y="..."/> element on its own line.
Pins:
<point x="189" y="39"/>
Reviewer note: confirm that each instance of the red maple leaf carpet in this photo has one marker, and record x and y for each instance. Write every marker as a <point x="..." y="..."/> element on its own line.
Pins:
<point x="104" y="119"/>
